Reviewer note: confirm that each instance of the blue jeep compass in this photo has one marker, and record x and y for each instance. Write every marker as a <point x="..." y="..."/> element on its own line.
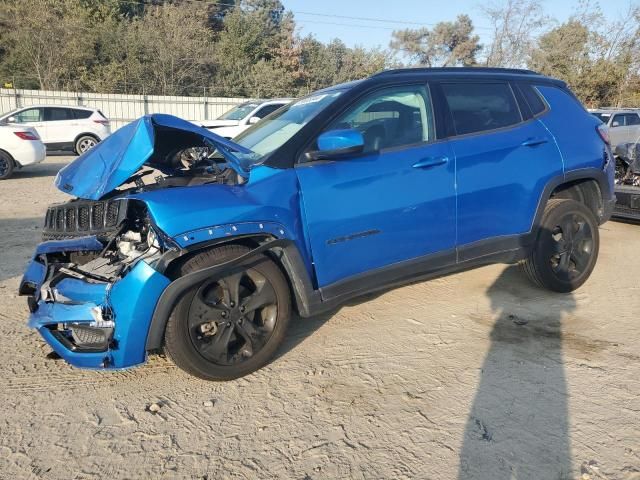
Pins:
<point x="177" y="238"/>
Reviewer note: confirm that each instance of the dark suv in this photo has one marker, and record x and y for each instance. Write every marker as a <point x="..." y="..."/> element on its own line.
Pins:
<point x="183" y="240"/>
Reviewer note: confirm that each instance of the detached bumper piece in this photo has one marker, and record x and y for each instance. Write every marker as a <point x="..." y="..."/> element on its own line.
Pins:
<point x="628" y="204"/>
<point x="91" y="323"/>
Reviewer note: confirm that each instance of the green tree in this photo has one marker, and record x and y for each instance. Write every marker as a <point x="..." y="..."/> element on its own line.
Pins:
<point x="448" y="44"/>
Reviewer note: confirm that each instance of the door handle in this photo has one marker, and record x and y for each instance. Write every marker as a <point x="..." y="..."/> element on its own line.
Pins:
<point x="430" y="162"/>
<point x="532" y="142"/>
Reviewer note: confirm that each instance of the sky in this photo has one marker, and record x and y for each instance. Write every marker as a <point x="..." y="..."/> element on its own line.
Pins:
<point x="325" y="18"/>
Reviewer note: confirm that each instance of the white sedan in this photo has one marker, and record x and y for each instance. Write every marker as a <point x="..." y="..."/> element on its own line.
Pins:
<point x="19" y="147"/>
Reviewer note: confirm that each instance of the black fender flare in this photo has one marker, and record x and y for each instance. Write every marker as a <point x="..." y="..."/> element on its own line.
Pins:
<point x="285" y="251"/>
<point x="596" y="174"/>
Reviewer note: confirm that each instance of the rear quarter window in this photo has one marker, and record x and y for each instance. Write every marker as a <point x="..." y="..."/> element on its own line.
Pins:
<point x="81" y="114"/>
<point x="536" y="104"/>
<point x="478" y="107"/>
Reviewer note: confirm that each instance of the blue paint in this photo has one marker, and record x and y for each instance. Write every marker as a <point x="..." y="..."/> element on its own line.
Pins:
<point x="340" y="139"/>
<point x="132" y="301"/>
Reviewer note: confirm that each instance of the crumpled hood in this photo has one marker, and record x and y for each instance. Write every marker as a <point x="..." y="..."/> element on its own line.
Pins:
<point x="148" y="140"/>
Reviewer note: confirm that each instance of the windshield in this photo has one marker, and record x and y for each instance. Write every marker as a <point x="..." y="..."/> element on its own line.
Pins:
<point x="603" y="117"/>
<point x="239" y="112"/>
<point x="272" y="132"/>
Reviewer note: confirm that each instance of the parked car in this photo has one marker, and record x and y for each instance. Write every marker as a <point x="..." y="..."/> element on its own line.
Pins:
<point x="19" y="147"/>
<point x="359" y="187"/>
<point x="61" y="127"/>
<point x="624" y="124"/>
<point x="627" y="181"/>
<point x="241" y="117"/>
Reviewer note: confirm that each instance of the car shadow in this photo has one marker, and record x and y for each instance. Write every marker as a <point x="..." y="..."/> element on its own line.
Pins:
<point x="40" y="170"/>
<point x="518" y="423"/>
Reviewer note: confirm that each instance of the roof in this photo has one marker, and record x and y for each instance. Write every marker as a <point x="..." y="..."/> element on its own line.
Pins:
<point x="41" y="105"/>
<point x="474" y="70"/>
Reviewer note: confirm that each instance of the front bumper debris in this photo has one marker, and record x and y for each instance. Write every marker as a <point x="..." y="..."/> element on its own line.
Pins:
<point x="628" y="204"/>
<point x="89" y="322"/>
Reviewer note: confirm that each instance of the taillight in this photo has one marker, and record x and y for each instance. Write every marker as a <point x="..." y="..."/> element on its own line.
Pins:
<point x="102" y="122"/>
<point x="27" y="135"/>
<point x="603" y="131"/>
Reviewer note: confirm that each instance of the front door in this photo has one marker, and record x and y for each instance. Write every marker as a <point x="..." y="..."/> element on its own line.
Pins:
<point x="392" y="203"/>
<point x="32" y="117"/>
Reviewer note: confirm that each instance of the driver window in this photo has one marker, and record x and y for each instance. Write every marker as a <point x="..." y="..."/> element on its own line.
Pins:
<point x="29" y="115"/>
<point x="392" y="117"/>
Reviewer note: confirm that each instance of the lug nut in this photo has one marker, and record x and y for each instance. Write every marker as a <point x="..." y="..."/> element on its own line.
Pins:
<point x="224" y="314"/>
<point x="242" y="309"/>
<point x="233" y="304"/>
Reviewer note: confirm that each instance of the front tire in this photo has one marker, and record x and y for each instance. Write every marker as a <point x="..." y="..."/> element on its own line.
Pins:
<point x="566" y="250"/>
<point x="227" y="328"/>
<point x="6" y="165"/>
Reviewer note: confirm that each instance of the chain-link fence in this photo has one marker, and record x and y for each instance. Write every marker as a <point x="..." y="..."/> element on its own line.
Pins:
<point x="121" y="109"/>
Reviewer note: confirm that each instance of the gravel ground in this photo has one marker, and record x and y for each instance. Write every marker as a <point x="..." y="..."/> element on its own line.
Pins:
<point x="476" y="375"/>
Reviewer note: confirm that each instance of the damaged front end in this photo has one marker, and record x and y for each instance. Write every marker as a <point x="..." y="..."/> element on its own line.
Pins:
<point x="92" y="298"/>
<point x="94" y="283"/>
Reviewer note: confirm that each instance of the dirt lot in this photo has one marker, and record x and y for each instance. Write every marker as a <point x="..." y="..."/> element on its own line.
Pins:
<point x="476" y="375"/>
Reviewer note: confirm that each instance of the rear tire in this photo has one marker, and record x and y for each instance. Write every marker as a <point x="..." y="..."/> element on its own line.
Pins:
<point x="85" y="143"/>
<point x="228" y="328"/>
<point x="6" y="165"/>
<point x="566" y="249"/>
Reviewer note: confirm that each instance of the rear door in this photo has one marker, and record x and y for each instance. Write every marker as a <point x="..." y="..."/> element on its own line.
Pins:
<point x="503" y="162"/>
<point x="59" y="124"/>
<point x="392" y="203"/>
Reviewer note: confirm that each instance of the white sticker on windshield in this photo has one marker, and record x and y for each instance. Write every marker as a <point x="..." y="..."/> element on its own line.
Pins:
<point x="306" y="101"/>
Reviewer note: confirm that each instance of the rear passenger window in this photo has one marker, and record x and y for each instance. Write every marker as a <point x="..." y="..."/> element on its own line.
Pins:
<point x="56" y="114"/>
<point x="633" y="119"/>
<point x="80" y="114"/>
<point x="533" y="98"/>
<point x="478" y="107"/>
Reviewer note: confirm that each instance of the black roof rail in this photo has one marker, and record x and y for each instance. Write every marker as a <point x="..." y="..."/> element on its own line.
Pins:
<point x="519" y="71"/>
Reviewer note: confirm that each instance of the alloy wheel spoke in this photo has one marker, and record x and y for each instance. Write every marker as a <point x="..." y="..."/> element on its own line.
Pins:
<point x="231" y="285"/>
<point x="218" y="348"/>
<point x="254" y="336"/>
<point x="568" y="228"/>
<point x="582" y="233"/>
<point x="581" y="260"/>
<point x="264" y="295"/>
<point x="201" y="312"/>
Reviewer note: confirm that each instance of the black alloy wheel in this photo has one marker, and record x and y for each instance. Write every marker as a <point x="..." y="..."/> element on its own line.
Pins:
<point x="228" y="327"/>
<point x="567" y="246"/>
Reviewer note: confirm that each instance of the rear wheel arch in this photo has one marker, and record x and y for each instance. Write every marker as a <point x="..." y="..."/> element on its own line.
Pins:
<point x="586" y="191"/>
<point x="80" y="136"/>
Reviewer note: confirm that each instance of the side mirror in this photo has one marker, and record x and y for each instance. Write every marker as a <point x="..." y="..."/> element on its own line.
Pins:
<point x="335" y="144"/>
<point x="11" y="119"/>
<point x="615" y="123"/>
<point x="254" y="120"/>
